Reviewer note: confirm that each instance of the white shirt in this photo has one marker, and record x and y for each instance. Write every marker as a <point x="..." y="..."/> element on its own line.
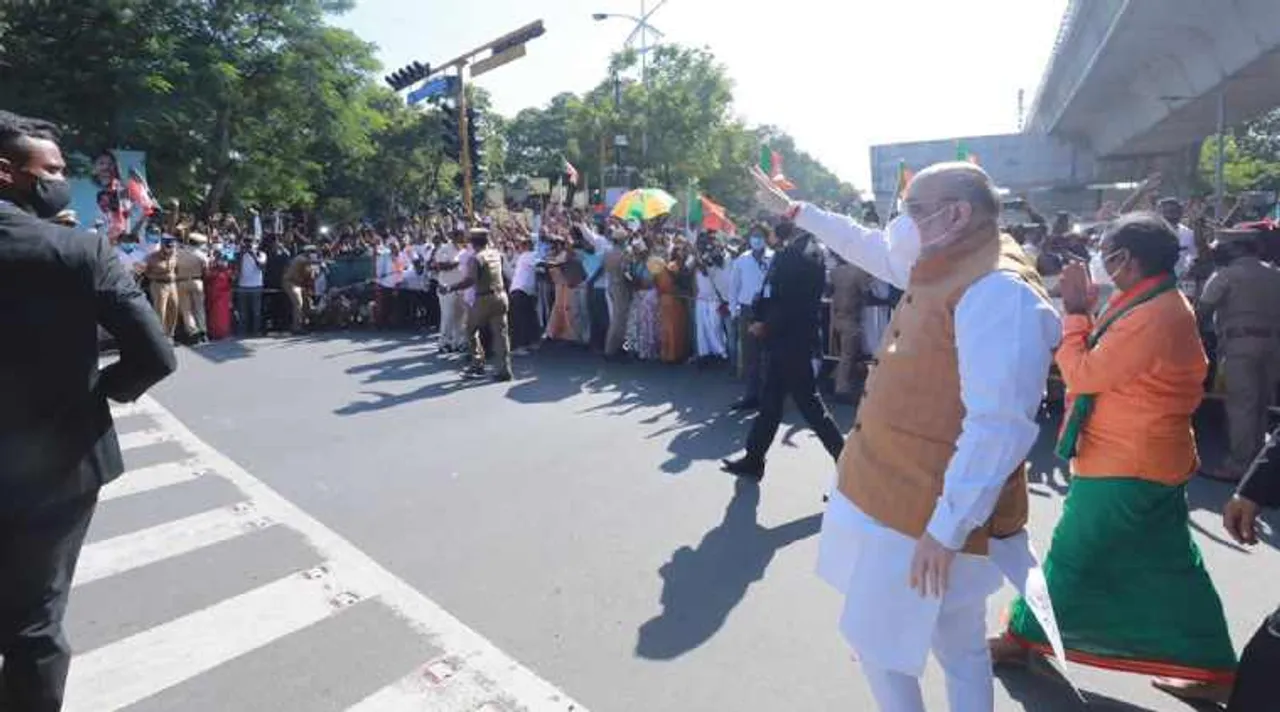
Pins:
<point x="1186" y="238"/>
<point x="250" y="273"/>
<point x="1005" y="338"/>
<point x="448" y="252"/>
<point x="132" y="256"/>
<point x="603" y="246"/>
<point x="714" y="286"/>
<point x="526" y="276"/>
<point x="413" y="281"/>
<point x="747" y="279"/>
<point x="466" y="264"/>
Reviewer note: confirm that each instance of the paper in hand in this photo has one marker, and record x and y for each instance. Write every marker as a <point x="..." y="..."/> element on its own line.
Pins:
<point x="1016" y="559"/>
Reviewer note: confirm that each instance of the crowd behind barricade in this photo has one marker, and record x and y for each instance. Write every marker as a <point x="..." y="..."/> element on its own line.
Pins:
<point x="629" y="289"/>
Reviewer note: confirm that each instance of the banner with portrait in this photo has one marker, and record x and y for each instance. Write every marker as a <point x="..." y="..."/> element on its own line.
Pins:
<point x="110" y="194"/>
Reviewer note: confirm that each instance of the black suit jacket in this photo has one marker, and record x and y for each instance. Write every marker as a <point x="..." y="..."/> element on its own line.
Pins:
<point x="1261" y="482"/>
<point x="57" y="285"/>
<point x="794" y="288"/>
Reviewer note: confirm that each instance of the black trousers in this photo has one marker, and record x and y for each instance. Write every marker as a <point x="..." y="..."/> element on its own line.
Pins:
<point x="1257" y="688"/>
<point x="598" y="315"/>
<point x="789" y="372"/>
<point x="38" y="553"/>
<point x="524" y="319"/>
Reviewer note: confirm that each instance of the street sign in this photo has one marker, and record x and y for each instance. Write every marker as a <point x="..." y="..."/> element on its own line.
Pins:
<point x="497" y="59"/>
<point x="435" y="87"/>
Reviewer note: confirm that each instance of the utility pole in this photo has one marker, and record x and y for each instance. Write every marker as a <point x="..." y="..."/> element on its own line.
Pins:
<point x="464" y="150"/>
<point x="1219" y="177"/>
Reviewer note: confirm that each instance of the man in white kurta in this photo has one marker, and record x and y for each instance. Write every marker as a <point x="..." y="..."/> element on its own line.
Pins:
<point x="904" y="595"/>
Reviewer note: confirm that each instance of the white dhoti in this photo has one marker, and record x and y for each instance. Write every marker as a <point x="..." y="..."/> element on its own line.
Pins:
<point x="712" y="340"/>
<point x="891" y="628"/>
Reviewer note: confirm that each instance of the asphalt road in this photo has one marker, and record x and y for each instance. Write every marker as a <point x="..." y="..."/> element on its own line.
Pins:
<point x="577" y="519"/>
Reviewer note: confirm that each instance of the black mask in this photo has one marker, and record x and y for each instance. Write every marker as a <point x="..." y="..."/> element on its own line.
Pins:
<point x="49" y="197"/>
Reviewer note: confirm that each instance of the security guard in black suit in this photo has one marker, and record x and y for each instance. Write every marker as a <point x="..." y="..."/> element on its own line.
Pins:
<point x="788" y="321"/>
<point x="57" y="442"/>
<point x="1256" y="688"/>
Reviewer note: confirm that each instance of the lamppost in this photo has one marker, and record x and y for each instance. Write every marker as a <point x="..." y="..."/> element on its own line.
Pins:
<point x="641" y="31"/>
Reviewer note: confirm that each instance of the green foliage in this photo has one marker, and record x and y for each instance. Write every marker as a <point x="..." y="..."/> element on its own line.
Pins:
<point x="1252" y="156"/>
<point x="260" y="103"/>
<point x="680" y="128"/>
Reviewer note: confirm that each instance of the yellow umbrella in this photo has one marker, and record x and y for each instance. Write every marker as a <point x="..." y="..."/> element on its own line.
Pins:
<point x="643" y="204"/>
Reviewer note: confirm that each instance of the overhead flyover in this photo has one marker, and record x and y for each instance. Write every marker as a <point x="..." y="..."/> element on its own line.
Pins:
<point x="1131" y="78"/>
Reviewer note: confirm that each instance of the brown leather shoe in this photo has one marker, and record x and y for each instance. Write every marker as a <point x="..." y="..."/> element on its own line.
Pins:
<point x="1214" y="692"/>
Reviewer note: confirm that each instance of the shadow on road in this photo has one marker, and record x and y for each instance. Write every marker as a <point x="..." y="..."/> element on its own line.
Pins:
<point x="702" y="585"/>
<point x="1039" y="687"/>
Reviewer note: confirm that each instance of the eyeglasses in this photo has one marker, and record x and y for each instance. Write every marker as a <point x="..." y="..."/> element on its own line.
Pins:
<point x="917" y="209"/>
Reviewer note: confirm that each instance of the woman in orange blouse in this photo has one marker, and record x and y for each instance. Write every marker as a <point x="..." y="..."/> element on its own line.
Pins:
<point x="1129" y="589"/>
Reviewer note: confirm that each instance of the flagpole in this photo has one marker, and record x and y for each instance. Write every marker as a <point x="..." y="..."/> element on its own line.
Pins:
<point x="688" y="206"/>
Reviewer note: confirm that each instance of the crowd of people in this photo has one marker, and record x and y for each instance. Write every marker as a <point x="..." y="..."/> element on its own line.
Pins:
<point x="965" y="315"/>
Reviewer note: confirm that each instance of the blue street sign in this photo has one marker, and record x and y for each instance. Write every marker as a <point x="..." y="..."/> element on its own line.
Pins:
<point x="435" y="87"/>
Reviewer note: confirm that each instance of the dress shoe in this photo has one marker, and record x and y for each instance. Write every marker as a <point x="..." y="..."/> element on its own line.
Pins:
<point x="745" y="467"/>
<point x="502" y="377"/>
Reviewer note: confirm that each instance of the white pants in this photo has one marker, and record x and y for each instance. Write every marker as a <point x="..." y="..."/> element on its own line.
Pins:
<point x="453" y="320"/>
<point x="960" y="645"/>
<point x="891" y="628"/>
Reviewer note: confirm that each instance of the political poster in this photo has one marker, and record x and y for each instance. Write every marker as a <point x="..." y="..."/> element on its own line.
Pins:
<point x="110" y="194"/>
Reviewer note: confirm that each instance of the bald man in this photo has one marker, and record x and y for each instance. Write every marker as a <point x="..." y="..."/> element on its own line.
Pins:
<point x="934" y="467"/>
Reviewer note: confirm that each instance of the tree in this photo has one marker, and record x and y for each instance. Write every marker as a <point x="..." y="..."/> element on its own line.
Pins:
<point x="233" y="100"/>
<point x="1251" y="153"/>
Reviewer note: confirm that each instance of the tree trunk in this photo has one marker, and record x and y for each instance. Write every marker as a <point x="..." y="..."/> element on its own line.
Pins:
<point x="222" y="174"/>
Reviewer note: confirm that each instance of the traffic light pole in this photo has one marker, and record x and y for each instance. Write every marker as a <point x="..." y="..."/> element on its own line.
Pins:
<point x="464" y="148"/>
<point x="503" y="49"/>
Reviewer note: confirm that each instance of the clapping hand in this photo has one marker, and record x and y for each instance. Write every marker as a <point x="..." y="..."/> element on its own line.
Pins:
<point x="770" y="196"/>
<point x="1079" y="293"/>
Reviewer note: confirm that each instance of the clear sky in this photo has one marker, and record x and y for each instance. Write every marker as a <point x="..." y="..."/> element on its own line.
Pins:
<point x="838" y="75"/>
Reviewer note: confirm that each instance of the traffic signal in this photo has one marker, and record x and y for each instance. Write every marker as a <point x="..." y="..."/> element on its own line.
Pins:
<point x="531" y="32"/>
<point x="475" y="145"/>
<point x="449" y="132"/>
<point x="407" y="75"/>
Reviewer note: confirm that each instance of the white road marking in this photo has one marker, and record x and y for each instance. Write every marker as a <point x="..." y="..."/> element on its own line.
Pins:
<point x="142" y="438"/>
<point x="149" y="478"/>
<point x="137" y="549"/>
<point x="458" y="688"/>
<point x="483" y="677"/>
<point x="130" y="670"/>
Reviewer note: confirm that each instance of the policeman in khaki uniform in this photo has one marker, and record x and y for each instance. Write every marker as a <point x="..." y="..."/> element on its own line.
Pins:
<point x="484" y="272"/>
<point x="161" y="271"/>
<point x="1244" y="300"/>
<point x="848" y="282"/>
<point x="190" y="273"/>
<point x="299" y="281"/>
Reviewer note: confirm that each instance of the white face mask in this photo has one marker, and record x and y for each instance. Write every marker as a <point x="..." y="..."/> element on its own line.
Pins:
<point x="1098" y="271"/>
<point x="902" y="231"/>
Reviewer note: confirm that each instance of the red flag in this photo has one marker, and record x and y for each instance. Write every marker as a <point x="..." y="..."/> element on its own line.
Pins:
<point x="140" y="192"/>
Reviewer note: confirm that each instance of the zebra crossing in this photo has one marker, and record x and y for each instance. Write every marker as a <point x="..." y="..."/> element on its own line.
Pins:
<point x="200" y="588"/>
